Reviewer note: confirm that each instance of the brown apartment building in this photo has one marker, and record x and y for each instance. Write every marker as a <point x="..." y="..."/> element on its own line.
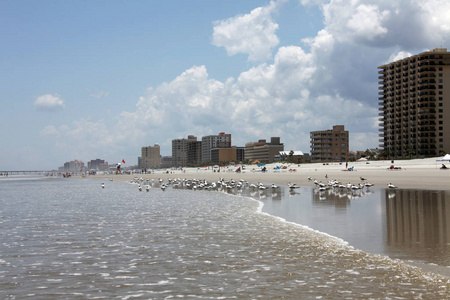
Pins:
<point x="414" y="99"/>
<point x="329" y="145"/>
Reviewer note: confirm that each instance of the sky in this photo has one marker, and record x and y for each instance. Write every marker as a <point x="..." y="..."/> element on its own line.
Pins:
<point x="82" y="80"/>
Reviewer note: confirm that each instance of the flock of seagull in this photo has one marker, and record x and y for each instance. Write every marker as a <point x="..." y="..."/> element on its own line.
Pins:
<point x="201" y="184"/>
<point x="222" y="184"/>
<point x="349" y="186"/>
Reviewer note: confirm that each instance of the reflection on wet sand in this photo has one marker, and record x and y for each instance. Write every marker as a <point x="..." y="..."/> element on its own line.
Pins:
<point x="405" y="224"/>
<point x="418" y="223"/>
<point x="339" y="197"/>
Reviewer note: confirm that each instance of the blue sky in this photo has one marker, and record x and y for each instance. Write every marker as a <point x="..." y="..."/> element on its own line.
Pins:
<point x="100" y="79"/>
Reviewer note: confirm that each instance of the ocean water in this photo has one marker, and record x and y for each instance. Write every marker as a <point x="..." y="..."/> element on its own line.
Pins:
<point x="72" y="239"/>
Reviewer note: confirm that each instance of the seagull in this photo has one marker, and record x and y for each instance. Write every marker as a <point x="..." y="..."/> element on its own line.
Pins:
<point x="163" y="187"/>
<point x="391" y="186"/>
<point x="140" y="188"/>
<point x="147" y="188"/>
<point x="103" y="185"/>
<point x="261" y="186"/>
<point x="274" y="186"/>
<point x="362" y="178"/>
<point x="292" y="186"/>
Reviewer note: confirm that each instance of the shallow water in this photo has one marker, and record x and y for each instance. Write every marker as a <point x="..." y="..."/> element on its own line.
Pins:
<point x="69" y="238"/>
<point x="405" y="224"/>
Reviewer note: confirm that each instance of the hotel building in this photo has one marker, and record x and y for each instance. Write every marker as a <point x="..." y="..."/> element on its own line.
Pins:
<point x="150" y="157"/>
<point x="185" y="151"/>
<point x="329" y="145"/>
<point x="209" y="142"/>
<point x="97" y="165"/>
<point x="262" y="151"/>
<point x="414" y="99"/>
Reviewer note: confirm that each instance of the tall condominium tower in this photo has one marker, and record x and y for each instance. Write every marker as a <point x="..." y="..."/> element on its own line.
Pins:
<point x="329" y="145"/>
<point x="150" y="157"/>
<point x="414" y="101"/>
<point x="185" y="151"/>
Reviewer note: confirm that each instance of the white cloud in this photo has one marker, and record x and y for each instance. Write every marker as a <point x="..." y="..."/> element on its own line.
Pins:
<point x="398" y="55"/>
<point x="49" y="102"/>
<point x="49" y="131"/>
<point x="252" y="34"/>
<point x="367" y="22"/>
<point x="98" y="94"/>
<point x="333" y="80"/>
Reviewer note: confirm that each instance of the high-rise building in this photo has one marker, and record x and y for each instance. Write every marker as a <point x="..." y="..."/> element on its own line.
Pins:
<point x="262" y="151"/>
<point x="74" y="166"/>
<point x="186" y="151"/>
<point x="150" y="157"/>
<point x="414" y="99"/>
<point x="222" y="140"/>
<point x="97" y="165"/>
<point x="329" y="145"/>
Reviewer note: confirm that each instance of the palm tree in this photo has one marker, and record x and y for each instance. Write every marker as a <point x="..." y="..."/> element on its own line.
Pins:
<point x="291" y="154"/>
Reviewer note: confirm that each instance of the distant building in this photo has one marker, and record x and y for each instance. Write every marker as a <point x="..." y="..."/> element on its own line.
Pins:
<point x="97" y="165"/>
<point x="74" y="166"/>
<point x="166" y="161"/>
<point x="240" y="154"/>
<point x="150" y="157"/>
<point x="222" y="140"/>
<point x="262" y="151"/>
<point x="296" y="157"/>
<point x="414" y="99"/>
<point x="186" y="151"/>
<point x="222" y="155"/>
<point x="330" y="145"/>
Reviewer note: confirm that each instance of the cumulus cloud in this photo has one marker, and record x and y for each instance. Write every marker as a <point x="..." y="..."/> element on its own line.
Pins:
<point x="366" y="22"/>
<point x="397" y="56"/>
<point x="331" y="80"/>
<point x="252" y="34"/>
<point x="49" y="102"/>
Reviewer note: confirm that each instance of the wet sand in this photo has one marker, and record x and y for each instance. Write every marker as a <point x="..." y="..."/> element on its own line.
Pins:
<point x="422" y="174"/>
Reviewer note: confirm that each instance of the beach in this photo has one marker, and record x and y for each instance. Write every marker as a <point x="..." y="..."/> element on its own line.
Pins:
<point x="422" y="174"/>
<point x="417" y="174"/>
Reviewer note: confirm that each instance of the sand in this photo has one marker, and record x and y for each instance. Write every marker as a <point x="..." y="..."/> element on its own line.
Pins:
<point x="409" y="174"/>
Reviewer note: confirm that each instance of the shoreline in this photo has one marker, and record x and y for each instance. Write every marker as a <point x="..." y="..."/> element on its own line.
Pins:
<point x="424" y="174"/>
